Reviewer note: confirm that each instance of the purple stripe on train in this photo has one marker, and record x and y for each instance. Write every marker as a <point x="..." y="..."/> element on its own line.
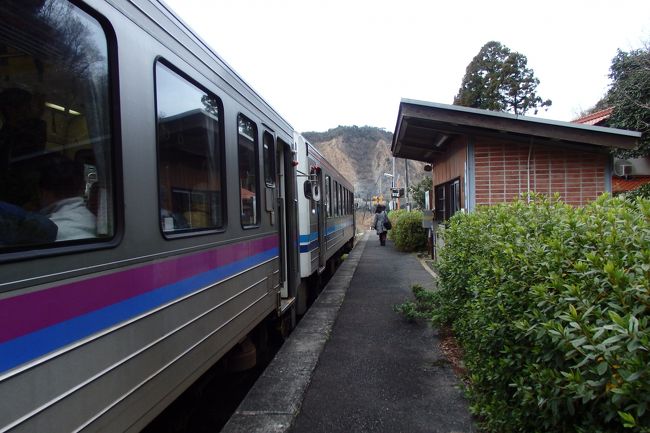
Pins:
<point x="27" y="313"/>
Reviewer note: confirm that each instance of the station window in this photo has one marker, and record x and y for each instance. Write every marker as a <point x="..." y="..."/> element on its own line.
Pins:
<point x="56" y="172"/>
<point x="248" y="167"/>
<point x="269" y="159"/>
<point x="190" y="152"/>
<point x="447" y="199"/>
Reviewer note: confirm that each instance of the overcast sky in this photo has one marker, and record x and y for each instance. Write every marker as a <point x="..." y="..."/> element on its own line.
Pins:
<point x="324" y="63"/>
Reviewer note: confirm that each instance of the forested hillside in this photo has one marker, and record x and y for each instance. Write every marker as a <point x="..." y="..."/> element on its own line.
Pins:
<point x="362" y="154"/>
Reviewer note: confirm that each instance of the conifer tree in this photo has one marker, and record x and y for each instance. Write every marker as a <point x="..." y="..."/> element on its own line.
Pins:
<point x="499" y="79"/>
<point x="629" y="95"/>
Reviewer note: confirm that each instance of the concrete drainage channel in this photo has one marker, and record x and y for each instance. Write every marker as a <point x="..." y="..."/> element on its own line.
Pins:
<point x="267" y="397"/>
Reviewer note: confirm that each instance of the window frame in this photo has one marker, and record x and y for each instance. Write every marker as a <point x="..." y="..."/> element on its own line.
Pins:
<point x="339" y="198"/>
<point x="270" y="158"/>
<point x="256" y="150"/>
<point x="444" y="196"/>
<point x="328" y="195"/>
<point x="12" y="253"/>
<point x="223" y="202"/>
<point x="335" y="211"/>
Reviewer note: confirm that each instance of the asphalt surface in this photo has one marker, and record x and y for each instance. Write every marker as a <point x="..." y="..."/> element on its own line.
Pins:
<point x="354" y="365"/>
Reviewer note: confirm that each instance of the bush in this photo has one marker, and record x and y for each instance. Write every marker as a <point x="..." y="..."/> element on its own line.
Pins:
<point x="407" y="231"/>
<point x="550" y="304"/>
<point x="643" y="191"/>
<point x="422" y="305"/>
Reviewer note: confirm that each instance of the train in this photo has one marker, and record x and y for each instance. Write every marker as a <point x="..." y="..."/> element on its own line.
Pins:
<point x="155" y="211"/>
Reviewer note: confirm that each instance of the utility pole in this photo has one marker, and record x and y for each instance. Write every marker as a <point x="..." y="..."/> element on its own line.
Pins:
<point x="393" y="181"/>
<point x="406" y="180"/>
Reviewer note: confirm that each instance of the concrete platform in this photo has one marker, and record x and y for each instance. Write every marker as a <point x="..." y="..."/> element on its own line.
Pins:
<point x="354" y="365"/>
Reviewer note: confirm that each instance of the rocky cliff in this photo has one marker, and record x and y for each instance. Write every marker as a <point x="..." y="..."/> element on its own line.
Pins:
<point x="362" y="155"/>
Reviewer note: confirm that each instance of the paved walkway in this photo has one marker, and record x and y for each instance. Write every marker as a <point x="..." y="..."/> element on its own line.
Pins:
<point x="354" y="365"/>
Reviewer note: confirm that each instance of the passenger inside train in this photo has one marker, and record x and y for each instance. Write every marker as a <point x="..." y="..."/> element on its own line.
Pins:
<point x="62" y="186"/>
<point x="53" y="105"/>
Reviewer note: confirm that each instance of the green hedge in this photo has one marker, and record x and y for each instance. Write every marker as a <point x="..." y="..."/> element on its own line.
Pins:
<point x="550" y="304"/>
<point x="407" y="231"/>
<point x="643" y="191"/>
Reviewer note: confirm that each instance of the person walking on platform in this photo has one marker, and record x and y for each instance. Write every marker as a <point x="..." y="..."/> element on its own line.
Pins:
<point x="381" y="223"/>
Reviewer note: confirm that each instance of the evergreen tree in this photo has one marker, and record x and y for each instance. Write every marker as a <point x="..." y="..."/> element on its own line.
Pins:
<point x="416" y="192"/>
<point x="499" y="79"/>
<point x="629" y="94"/>
<point x="480" y="85"/>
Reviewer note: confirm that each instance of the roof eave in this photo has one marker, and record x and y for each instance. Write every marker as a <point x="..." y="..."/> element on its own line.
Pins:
<point x="451" y="119"/>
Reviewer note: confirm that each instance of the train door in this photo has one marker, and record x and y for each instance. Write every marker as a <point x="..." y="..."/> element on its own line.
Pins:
<point x="287" y="220"/>
<point x="286" y="154"/>
<point x="322" y="224"/>
<point x="317" y="217"/>
<point x="274" y="179"/>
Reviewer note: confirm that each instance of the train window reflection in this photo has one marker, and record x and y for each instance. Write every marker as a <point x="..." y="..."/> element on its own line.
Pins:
<point x="190" y="152"/>
<point x="56" y="177"/>
<point x="248" y="168"/>
<point x="269" y="159"/>
<point x="328" y="196"/>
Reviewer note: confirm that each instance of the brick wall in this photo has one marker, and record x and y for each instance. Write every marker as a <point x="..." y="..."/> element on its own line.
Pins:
<point x="502" y="172"/>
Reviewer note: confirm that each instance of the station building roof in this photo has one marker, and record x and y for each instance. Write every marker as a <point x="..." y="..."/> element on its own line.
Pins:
<point x="424" y="129"/>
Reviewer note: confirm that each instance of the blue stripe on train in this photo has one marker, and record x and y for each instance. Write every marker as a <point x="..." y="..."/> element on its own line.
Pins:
<point x="310" y="242"/>
<point x="36" y="344"/>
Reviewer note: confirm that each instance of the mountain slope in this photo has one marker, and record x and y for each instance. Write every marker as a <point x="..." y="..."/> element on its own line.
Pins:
<point x="362" y="155"/>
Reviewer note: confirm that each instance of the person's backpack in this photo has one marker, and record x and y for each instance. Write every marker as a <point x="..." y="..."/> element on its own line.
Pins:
<point x="387" y="224"/>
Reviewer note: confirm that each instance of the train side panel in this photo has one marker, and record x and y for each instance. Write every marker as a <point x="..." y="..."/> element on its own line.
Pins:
<point x="103" y="333"/>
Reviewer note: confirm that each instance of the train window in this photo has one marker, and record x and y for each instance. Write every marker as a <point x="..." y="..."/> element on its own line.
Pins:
<point x="347" y="202"/>
<point x="190" y="153"/>
<point x="269" y="159"/>
<point x="248" y="167"/>
<point x="56" y="174"/>
<point x="328" y="196"/>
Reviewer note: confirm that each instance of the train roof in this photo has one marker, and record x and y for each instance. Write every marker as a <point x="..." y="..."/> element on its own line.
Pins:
<point x="166" y="19"/>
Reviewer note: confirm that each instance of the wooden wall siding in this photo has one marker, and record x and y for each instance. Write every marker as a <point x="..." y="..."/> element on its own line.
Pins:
<point x="452" y="166"/>
<point x="502" y="172"/>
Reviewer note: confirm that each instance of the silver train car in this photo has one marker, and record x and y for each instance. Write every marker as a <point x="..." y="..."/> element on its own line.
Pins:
<point x="154" y="211"/>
